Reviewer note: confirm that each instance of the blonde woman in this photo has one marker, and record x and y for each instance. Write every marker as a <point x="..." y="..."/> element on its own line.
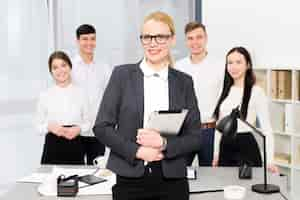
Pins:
<point x="148" y="164"/>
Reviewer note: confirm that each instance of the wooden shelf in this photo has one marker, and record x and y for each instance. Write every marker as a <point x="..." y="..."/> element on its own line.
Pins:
<point x="297" y="135"/>
<point x="282" y="133"/>
<point x="282" y="85"/>
<point x="284" y="101"/>
<point x="296" y="102"/>
<point x="288" y="134"/>
<point x="297" y="167"/>
<point x="280" y="164"/>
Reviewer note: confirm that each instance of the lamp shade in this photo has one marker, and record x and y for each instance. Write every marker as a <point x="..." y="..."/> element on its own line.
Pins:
<point x="228" y="125"/>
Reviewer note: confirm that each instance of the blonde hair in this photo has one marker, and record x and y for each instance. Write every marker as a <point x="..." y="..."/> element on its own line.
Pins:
<point x="166" y="19"/>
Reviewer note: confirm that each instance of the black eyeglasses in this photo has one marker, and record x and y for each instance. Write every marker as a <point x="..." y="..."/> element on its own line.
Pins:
<point x="159" y="39"/>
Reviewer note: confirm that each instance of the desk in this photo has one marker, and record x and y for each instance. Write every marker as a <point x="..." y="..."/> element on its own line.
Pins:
<point x="207" y="177"/>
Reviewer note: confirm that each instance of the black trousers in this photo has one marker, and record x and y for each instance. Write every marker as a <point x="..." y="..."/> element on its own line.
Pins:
<point x="58" y="150"/>
<point x="152" y="186"/>
<point x="238" y="150"/>
<point x="206" y="151"/>
<point x="92" y="148"/>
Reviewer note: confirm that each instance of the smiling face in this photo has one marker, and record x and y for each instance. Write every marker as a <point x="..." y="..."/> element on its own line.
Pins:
<point x="161" y="39"/>
<point x="61" y="71"/>
<point x="196" y="41"/>
<point x="237" y="66"/>
<point x="87" y="43"/>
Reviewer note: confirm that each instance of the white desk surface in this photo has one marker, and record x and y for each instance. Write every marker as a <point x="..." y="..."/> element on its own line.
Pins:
<point x="207" y="178"/>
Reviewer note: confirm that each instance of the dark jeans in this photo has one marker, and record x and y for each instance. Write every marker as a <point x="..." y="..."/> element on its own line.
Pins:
<point x="151" y="186"/>
<point x="206" y="150"/>
<point x="92" y="148"/>
<point x="238" y="150"/>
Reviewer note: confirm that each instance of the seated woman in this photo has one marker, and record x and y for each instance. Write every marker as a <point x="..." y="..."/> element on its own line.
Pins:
<point x="239" y="89"/>
<point x="62" y="114"/>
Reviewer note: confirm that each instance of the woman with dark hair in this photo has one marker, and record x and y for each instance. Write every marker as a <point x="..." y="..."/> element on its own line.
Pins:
<point x="62" y="115"/>
<point x="239" y="89"/>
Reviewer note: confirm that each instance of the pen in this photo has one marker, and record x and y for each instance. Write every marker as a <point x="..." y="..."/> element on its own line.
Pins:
<point x="205" y="191"/>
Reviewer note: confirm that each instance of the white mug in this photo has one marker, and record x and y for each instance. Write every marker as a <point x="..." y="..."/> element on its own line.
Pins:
<point x="100" y="161"/>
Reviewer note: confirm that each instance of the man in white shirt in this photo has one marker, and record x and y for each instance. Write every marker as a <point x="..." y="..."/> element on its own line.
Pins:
<point x="207" y="74"/>
<point x="93" y="77"/>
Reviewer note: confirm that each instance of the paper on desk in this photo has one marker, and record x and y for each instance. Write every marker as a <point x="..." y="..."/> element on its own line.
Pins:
<point x="34" y="178"/>
<point x="48" y="187"/>
<point x="191" y="173"/>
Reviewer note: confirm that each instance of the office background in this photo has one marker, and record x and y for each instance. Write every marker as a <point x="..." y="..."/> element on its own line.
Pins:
<point x="31" y="29"/>
<point x="34" y="28"/>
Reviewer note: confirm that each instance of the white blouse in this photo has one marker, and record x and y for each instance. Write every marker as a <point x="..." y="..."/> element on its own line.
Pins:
<point x="93" y="79"/>
<point x="156" y="90"/>
<point x="65" y="106"/>
<point x="257" y="109"/>
<point x="206" y="86"/>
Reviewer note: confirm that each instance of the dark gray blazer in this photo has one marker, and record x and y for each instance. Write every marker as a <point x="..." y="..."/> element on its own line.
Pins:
<point x="122" y="111"/>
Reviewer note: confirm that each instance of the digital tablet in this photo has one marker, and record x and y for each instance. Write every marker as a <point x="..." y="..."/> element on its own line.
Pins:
<point x="167" y="122"/>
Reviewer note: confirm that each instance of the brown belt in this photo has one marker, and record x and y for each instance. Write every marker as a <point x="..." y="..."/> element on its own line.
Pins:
<point x="208" y="125"/>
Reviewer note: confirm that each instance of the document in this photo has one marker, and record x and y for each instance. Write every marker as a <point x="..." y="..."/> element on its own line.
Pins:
<point x="167" y="122"/>
<point x="34" y="178"/>
<point x="191" y="173"/>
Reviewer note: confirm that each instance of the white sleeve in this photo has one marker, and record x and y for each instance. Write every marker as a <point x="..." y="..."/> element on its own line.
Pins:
<point x="217" y="94"/>
<point x="217" y="143"/>
<point x="218" y="135"/>
<point x="263" y="115"/>
<point x="85" y="124"/>
<point x="107" y="70"/>
<point x="40" y="120"/>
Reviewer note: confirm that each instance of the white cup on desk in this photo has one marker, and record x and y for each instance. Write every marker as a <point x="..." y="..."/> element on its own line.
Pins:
<point x="100" y="161"/>
<point x="234" y="192"/>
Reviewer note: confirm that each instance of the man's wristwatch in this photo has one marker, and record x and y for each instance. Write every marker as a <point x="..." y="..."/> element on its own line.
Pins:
<point x="164" y="144"/>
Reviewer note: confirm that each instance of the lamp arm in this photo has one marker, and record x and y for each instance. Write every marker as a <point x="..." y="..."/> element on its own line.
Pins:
<point x="253" y="128"/>
<point x="228" y="126"/>
<point x="264" y="147"/>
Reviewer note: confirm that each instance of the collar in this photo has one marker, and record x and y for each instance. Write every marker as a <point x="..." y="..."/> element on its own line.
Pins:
<point x="204" y="58"/>
<point x="148" y="71"/>
<point x="63" y="88"/>
<point x="79" y="59"/>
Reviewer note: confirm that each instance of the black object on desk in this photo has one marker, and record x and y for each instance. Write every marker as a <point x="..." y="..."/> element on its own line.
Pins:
<point x="91" y="179"/>
<point x="228" y="127"/>
<point x="67" y="186"/>
<point x="245" y="171"/>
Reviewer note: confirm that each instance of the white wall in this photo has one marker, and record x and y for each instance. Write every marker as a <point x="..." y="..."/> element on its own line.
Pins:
<point x="118" y="25"/>
<point x="270" y="29"/>
<point x="23" y="74"/>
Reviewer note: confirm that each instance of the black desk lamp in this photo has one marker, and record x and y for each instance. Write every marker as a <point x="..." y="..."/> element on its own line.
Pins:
<point x="228" y="127"/>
